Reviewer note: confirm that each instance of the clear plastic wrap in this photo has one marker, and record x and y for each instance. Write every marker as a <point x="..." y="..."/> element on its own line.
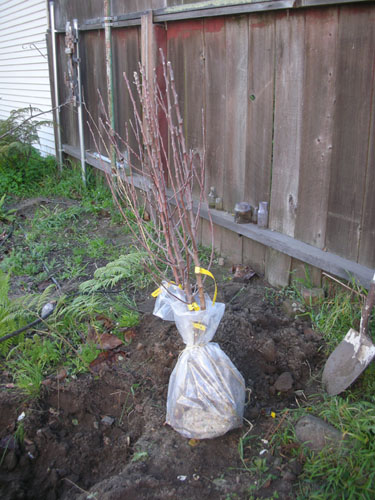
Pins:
<point x="167" y="294"/>
<point x="206" y="392"/>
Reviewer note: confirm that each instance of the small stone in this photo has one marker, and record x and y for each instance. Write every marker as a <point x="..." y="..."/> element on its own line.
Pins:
<point x="284" y="382"/>
<point x="310" y="335"/>
<point x="317" y="434"/>
<point x="108" y="420"/>
<point x="140" y="347"/>
<point x="220" y="482"/>
<point x="268" y="351"/>
<point x="221" y="261"/>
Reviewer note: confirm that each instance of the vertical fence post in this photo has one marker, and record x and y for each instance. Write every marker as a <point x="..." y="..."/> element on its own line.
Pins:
<point x="80" y="104"/>
<point x="56" y="85"/>
<point x="109" y="72"/>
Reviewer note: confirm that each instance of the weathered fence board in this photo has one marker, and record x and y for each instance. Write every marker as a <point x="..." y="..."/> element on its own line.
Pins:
<point x="66" y="10"/>
<point x="127" y="54"/>
<point x="236" y="74"/>
<point x="317" y="125"/>
<point x="290" y="32"/>
<point x="95" y="87"/>
<point x="185" y="52"/>
<point x="367" y="241"/>
<point x="351" y="130"/>
<point x="260" y="97"/>
<point x="260" y="107"/>
<point x="68" y="116"/>
<point x="214" y="105"/>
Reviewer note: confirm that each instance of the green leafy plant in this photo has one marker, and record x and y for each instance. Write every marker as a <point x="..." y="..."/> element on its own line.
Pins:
<point x="15" y="313"/>
<point x="21" y="165"/>
<point x="140" y="456"/>
<point x="126" y="267"/>
<point x="32" y="361"/>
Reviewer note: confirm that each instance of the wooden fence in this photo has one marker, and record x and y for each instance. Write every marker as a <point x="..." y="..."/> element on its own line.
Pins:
<point x="287" y="90"/>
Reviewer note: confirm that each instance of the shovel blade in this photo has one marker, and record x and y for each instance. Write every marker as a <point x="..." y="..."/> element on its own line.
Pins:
<point x="347" y="362"/>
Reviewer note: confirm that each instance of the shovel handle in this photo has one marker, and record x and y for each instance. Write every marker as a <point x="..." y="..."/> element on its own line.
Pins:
<point x="367" y="308"/>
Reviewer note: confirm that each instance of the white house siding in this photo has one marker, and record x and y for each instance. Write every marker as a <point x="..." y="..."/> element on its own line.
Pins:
<point x="24" y="77"/>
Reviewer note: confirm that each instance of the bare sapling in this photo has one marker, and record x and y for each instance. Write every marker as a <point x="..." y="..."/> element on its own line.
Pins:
<point x="152" y="179"/>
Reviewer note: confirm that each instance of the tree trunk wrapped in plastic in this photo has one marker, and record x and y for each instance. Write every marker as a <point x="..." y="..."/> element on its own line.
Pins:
<point x="206" y="392"/>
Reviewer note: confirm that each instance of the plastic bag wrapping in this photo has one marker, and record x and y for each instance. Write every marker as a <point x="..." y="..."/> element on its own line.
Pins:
<point x="168" y="293"/>
<point x="206" y="393"/>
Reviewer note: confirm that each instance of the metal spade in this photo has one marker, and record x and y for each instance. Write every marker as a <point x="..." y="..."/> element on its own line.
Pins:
<point x="352" y="355"/>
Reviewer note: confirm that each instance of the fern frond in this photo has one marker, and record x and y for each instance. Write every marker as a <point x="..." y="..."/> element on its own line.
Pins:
<point x="126" y="267"/>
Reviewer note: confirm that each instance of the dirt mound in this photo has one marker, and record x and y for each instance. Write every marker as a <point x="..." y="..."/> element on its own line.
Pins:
<point x="103" y="436"/>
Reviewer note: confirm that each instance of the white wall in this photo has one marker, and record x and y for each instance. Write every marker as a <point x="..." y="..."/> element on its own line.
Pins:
<point x="24" y="77"/>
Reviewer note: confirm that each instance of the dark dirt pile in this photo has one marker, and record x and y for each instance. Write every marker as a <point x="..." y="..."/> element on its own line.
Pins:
<point x="103" y="436"/>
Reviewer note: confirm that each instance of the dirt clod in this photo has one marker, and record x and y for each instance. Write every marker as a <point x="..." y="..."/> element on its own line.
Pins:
<point x="284" y="382"/>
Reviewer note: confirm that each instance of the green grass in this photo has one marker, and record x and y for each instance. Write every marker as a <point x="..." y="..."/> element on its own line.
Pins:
<point x="32" y="361"/>
<point x="348" y="472"/>
<point x="344" y="473"/>
<point x="58" y="241"/>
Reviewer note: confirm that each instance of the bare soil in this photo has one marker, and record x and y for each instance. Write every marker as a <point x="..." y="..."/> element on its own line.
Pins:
<point x="103" y="435"/>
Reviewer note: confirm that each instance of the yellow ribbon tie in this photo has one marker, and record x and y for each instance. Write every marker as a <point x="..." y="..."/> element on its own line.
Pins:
<point x="199" y="326"/>
<point x="193" y="307"/>
<point x="158" y="290"/>
<point x="200" y="270"/>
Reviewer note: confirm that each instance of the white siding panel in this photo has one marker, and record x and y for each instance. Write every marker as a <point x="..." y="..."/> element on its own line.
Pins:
<point x="24" y="76"/>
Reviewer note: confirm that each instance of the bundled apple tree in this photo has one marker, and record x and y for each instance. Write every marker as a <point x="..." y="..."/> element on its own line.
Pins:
<point x="153" y="184"/>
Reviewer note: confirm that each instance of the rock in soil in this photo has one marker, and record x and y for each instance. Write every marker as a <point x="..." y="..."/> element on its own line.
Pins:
<point x="317" y="434"/>
<point x="269" y="351"/>
<point x="284" y="382"/>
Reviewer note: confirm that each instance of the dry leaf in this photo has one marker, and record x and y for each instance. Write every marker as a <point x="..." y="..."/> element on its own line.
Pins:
<point x="104" y="359"/>
<point x="242" y="273"/>
<point x="61" y="374"/>
<point x="129" y="334"/>
<point x="92" y="334"/>
<point x="107" y="322"/>
<point x="146" y="216"/>
<point x="107" y="341"/>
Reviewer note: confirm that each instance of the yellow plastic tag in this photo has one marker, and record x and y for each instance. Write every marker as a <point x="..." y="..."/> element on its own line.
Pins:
<point x="200" y="270"/>
<point x="199" y="326"/>
<point x="193" y="307"/>
<point x="158" y="291"/>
